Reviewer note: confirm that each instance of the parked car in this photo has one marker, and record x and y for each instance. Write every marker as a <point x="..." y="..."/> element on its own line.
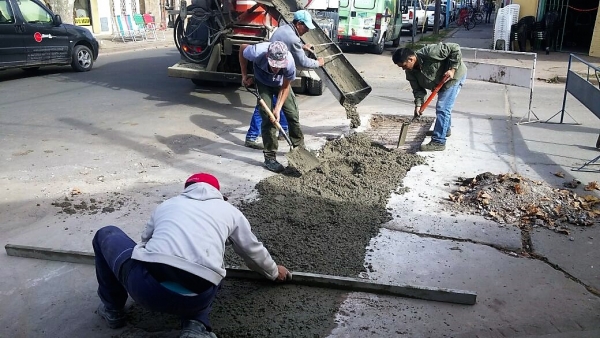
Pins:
<point x="369" y="23"/>
<point x="33" y="36"/>
<point x="431" y="15"/>
<point x="410" y="10"/>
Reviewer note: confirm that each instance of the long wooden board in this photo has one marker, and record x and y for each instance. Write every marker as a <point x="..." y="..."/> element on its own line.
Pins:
<point x="299" y="278"/>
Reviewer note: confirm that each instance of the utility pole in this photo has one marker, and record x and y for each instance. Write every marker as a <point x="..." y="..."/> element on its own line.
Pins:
<point x="437" y="14"/>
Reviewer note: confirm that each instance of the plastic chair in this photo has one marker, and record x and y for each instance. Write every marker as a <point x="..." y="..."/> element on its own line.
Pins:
<point x="141" y="25"/>
<point x="121" y="30"/>
<point x="134" y="29"/>
<point x="151" y="26"/>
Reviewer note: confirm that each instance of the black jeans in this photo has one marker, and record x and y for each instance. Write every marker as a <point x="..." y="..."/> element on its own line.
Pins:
<point x="118" y="275"/>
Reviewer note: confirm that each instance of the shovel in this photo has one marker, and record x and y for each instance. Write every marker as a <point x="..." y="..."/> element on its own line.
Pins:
<point x="403" y="130"/>
<point x="297" y="157"/>
<point x="432" y="95"/>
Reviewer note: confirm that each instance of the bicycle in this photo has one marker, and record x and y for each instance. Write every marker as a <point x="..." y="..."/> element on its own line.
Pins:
<point x="465" y="19"/>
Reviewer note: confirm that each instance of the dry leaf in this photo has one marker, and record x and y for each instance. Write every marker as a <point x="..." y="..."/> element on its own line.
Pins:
<point x="518" y="189"/>
<point x="75" y="191"/>
<point x="559" y="174"/>
<point x="592" y="186"/>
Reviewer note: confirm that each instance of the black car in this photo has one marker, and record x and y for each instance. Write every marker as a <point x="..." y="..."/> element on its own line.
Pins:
<point x="31" y="36"/>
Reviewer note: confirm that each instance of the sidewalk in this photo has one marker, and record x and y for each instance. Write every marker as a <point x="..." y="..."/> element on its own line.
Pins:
<point x="108" y="45"/>
<point x="550" y="68"/>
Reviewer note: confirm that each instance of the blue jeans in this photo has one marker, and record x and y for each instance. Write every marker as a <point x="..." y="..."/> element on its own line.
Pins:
<point x="255" y="122"/>
<point x="118" y="275"/>
<point x="443" y="111"/>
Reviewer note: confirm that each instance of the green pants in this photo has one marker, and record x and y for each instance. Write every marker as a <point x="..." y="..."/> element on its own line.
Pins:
<point x="268" y="129"/>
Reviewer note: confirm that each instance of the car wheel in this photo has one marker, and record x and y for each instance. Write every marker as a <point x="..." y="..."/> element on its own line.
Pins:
<point x="82" y="59"/>
<point x="380" y="47"/>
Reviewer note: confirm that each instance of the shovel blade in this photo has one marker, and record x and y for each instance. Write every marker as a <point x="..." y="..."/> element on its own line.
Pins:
<point x="302" y="160"/>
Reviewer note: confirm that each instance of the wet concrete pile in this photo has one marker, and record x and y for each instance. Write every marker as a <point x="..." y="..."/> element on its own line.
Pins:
<point x="320" y="222"/>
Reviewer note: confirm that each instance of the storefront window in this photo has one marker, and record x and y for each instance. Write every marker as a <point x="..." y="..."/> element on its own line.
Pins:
<point x="81" y="13"/>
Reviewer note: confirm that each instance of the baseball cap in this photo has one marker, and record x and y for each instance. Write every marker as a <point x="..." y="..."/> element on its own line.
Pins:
<point x="205" y="178"/>
<point x="277" y="54"/>
<point x="304" y="17"/>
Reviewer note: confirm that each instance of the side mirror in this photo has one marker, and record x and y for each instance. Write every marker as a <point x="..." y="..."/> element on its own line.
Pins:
<point x="57" y="20"/>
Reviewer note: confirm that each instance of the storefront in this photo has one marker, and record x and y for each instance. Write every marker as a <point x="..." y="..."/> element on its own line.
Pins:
<point x="576" y="28"/>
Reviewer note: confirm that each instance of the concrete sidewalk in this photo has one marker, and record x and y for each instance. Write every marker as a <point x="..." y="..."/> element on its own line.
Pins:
<point x="110" y="45"/>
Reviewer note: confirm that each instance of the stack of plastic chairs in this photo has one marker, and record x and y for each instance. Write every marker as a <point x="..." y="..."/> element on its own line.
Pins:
<point x="506" y="17"/>
<point x="502" y="30"/>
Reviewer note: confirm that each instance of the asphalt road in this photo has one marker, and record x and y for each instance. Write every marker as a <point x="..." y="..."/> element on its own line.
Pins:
<point x="127" y="132"/>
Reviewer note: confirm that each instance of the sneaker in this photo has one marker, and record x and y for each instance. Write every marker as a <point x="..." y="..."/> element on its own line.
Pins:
<point x="195" y="329"/>
<point x="430" y="133"/>
<point x="114" y="318"/>
<point x="273" y="165"/>
<point x="433" y="146"/>
<point x="253" y="144"/>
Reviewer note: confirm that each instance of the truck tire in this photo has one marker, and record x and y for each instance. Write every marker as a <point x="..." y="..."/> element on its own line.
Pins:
<point x="314" y="87"/>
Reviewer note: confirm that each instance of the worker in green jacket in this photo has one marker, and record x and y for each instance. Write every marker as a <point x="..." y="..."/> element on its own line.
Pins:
<point x="424" y="69"/>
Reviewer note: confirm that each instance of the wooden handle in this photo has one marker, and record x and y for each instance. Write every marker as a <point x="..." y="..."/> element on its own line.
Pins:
<point x="274" y="120"/>
<point x="433" y="93"/>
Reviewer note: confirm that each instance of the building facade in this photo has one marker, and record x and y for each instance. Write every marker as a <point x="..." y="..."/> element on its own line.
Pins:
<point x="99" y="15"/>
<point x="578" y="28"/>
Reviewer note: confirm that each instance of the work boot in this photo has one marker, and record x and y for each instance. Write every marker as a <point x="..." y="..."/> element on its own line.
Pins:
<point x="433" y="146"/>
<point x="195" y="329"/>
<point x="253" y="144"/>
<point x="114" y="318"/>
<point x="448" y="133"/>
<point x="273" y="165"/>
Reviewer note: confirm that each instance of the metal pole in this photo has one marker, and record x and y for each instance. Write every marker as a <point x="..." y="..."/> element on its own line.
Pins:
<point x="562" y="114"/>
<point x="562" y="35"/>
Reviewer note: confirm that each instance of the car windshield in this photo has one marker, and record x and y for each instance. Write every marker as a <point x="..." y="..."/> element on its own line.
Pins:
<point x="431" y="8"/>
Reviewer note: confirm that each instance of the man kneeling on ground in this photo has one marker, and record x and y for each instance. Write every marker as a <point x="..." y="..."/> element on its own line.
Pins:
<point x="178" y="266"/>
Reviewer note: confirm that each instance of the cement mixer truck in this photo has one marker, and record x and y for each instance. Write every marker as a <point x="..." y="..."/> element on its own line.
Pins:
<point x="209" y="33"/>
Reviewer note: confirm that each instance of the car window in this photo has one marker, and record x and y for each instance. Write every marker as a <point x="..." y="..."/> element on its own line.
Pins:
<point x="34" y="13"/>
<point x="6" y="13"/>
<point x="364" y="4"/>
<point x="431" y="8"/>
<point x="343" y="3"/>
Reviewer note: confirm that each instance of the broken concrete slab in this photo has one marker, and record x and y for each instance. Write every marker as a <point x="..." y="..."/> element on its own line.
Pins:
<point x="513" y="293"/>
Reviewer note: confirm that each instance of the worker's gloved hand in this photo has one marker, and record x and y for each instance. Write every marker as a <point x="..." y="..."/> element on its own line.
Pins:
<point x="247" y="81"/>
<point x="283" y="274"/>
<point x="321" y="62"/>
<point x="417" y="114"/>
<point x="450" y="74"/>
<point x="309" y="47"/>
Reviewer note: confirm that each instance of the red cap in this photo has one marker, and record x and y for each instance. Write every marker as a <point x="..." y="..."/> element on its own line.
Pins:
<point x="203" y="177"/>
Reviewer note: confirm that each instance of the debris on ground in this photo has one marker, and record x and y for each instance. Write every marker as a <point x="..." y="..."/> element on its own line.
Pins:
<point x="513" y="199"/>
<point x="78" y="203"/>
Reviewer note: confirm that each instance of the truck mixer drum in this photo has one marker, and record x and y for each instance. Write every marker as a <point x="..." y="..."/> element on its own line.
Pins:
<point x="196" y="32"/>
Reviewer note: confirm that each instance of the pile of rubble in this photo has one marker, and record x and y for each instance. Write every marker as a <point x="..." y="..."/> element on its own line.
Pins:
<point x="516" y="200"/>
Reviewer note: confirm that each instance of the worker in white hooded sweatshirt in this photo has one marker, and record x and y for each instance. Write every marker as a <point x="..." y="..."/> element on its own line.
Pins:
<point x="178" y="266"/>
